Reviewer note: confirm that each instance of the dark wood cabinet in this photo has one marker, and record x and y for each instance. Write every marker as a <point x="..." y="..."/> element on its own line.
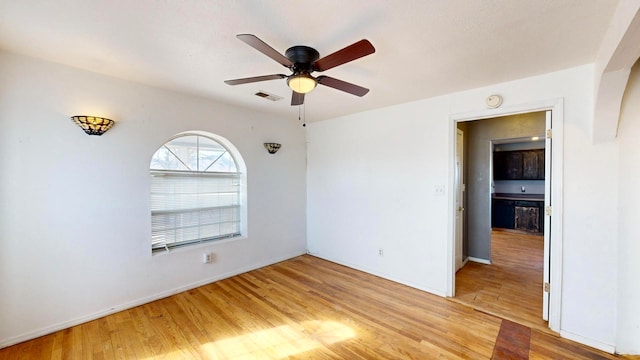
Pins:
<point x="518" y="215"/>
<point x="518" y="165"/>
<point x="502" y="214"/>
<point x="529" y="165"/>
<point x="527" y="218"/>
<point x="507" y="165"/>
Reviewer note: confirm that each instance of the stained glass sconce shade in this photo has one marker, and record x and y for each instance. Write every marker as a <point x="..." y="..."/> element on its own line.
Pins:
<point x="272" y="148"/>
<point x="93" y="125"/>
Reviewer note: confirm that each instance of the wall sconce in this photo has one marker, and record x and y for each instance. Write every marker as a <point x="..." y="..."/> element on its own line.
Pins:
<point x="272" y="148"/>
<point x="93" y="125"/>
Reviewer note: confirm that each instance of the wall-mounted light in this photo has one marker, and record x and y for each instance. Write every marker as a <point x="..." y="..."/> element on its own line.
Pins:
<point x="93" y="125"/>
<point x="272" y="148"/>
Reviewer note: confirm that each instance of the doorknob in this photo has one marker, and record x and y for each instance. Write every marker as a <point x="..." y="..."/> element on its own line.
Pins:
<point x="460" y="208"/>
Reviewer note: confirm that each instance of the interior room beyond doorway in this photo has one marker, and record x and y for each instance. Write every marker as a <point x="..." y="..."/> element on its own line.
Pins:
<point x="503" y="271"/>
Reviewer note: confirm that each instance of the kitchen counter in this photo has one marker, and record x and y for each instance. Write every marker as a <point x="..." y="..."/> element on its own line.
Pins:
<point x="518" y="196"/>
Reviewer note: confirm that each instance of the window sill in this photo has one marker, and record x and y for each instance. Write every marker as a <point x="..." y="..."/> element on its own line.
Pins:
<point x="197" y="246"/>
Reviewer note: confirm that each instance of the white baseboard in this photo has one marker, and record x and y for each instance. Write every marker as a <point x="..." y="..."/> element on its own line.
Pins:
<point x="382" y="275"/>
<point x="478" y="260"/>
<point x="128" y="305"/>
<point x="589" y="342"/>
<point x="464" y="262"/>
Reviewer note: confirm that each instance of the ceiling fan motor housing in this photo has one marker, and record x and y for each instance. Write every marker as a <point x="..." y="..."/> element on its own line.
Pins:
<point x="302" y="58"/>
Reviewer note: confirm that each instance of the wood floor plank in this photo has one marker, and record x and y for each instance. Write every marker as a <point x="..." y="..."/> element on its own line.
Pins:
<point x="513" y="342"/>
<point x="511" y="287"/>
<point x="303" y="308"/>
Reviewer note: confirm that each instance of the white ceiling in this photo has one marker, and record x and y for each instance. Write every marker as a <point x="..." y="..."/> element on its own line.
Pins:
<point x="424" y="48"/>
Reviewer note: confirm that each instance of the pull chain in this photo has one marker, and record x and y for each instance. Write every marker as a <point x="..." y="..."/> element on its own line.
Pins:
<point x="302" y="115"/>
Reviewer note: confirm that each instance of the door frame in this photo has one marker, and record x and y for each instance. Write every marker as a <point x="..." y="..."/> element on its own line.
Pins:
<point x="555" y="261"/>
<point x="459" y="189"/>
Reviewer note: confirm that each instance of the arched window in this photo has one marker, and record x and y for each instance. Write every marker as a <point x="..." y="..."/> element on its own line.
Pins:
<point x="195" y="192"/>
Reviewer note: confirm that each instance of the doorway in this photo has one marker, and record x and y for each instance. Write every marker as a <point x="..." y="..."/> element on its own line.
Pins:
<point x="550" y="251"/>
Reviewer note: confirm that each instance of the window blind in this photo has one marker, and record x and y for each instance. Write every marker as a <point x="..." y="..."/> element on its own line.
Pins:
<point x="190" y="207"/>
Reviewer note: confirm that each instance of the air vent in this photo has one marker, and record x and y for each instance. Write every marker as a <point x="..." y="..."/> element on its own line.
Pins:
<point x="266" y="95"/>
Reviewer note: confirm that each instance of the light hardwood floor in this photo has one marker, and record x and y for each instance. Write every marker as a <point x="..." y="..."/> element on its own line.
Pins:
<point x="303" y="308"/>
<point x="511" y="287"/>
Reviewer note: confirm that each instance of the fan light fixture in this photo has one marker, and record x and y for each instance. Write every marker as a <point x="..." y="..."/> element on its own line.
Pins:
<point x="301" y="83"/>
<point x="93" y="125"/>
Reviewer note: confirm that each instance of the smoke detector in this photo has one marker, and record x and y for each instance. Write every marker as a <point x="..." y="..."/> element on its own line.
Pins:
<point x="494" y="101"/>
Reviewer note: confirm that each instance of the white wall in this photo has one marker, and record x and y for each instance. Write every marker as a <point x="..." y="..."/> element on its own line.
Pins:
<point x="629" y="193"/>
<point x="371" y="179"/>
<point x="74" y="209"/>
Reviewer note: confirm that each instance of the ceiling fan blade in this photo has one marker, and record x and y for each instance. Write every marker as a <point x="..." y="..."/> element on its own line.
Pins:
<point x="261" y="46"/>
<point x="297" y="99"/>
<point x="254" y="79"/>
<point x="350" y="53"/>
<point x="342" y="85"/>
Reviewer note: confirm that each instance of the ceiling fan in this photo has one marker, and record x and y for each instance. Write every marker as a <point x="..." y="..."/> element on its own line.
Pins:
<point x="302" y="61"/>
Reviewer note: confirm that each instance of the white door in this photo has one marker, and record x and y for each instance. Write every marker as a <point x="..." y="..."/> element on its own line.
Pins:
<point x="547" y="220"/>
<point x="459" y="197"/>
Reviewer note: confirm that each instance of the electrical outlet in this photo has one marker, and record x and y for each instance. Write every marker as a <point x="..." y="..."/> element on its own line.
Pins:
<point x="380" y="252"/>
<point x="207" y="258"/>
<point x="438" y="190"/>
